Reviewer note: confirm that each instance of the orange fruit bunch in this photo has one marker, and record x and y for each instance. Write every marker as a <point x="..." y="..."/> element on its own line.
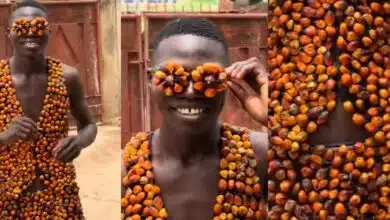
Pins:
<point x="208" y="79"/>
<point x="38" y="26"/>
<point x="312" y="46"/>
<point x="20" y="161"/>
<point x="239" y="189"/>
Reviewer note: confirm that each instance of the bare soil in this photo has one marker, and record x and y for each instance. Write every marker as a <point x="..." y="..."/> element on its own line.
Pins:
<point x="98" y="175"/>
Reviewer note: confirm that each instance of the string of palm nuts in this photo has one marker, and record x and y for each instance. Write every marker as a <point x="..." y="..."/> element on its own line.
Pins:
<point x="208" y="79"/>
<point x="313" y="45"/>
<point x="19" y="162"/>
<point x="38" y="27"/>
<point x="239" y="194"/>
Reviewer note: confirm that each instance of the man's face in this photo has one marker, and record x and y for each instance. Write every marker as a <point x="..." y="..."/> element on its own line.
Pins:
<point x="189" y="110"/>
<point x="28" y="45"/>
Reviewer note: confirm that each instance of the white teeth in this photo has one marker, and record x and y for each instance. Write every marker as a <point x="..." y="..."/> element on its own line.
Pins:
<point x="31" y="44"/>
<point x="190" y="111"/>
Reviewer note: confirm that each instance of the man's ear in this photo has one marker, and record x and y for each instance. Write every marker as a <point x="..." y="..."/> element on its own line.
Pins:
<point x="225" y="94"/>
<point x="149" y="75"/>
<point x="8" y="33"/>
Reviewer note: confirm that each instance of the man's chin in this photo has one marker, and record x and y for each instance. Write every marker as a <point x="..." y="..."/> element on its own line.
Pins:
<point x="31" y="53"/>
<point x="194" y="127"/>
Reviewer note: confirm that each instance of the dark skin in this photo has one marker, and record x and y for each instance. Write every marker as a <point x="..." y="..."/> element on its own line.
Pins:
<point x="339" y="129"/>
<point x="29" y="77"/>
<point x="185" y="149"/>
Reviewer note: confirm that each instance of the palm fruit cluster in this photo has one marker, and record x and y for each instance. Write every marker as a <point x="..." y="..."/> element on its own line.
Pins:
<point x="312" y="46"/>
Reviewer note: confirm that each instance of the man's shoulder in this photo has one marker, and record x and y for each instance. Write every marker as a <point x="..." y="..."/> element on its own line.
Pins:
<point x="70" y="72"/>
<point x="72" y="78"/>
<point x="138" y="139"/>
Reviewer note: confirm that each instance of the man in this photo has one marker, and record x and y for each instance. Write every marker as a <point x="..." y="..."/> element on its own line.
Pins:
<point x="37" y="178"/>
<point x="185" y="150"/>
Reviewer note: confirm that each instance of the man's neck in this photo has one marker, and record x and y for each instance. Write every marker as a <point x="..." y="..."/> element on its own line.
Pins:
<point x="27" y="64"/>
<point x="176" y="143"/>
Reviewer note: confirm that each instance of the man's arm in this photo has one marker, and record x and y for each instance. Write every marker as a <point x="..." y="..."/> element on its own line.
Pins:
<point x="86" y="126"/>
<point x="259" y="142"/>
<point x="123" y="174"/>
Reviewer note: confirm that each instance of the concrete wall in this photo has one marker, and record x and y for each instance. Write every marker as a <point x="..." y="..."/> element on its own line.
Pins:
<point x="110" y="58"/>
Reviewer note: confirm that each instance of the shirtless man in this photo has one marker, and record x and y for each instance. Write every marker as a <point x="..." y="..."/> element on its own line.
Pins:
<point x="33" y="132"/>
<point x="185" y="150"/>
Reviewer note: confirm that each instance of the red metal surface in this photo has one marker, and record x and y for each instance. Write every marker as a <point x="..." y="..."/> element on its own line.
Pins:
<point x="5" y="48"/>
<point x="247" y="37"/>
<point x="74" y="40"/>
<point x="133" y="82"/>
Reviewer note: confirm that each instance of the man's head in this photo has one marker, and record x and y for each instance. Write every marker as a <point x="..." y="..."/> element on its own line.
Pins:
<point x="28" y="45"/>
<point x="190" y="42"/>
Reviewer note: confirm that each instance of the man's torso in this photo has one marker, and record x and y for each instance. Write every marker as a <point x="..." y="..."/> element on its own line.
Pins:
<point x="189" y="190"/>
<point x="47" y="183"/>
<point x="339" y="128"/>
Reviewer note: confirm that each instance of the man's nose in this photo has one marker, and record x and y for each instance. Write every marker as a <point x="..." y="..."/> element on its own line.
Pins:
<point x="29" y="32"/>
<point x="189" y="91"/>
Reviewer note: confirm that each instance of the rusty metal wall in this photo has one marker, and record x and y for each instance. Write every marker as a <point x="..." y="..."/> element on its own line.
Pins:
<point x="246" y="35"/>
<point x="5" y="12"/>
<point x="132" y="84"/>
<point x="74" y="40"/>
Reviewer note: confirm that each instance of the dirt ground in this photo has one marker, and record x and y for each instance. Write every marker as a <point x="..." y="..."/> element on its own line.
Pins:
<point x="98" y="175"/>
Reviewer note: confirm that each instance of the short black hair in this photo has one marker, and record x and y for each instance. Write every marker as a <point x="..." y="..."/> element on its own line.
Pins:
<point x="30" y="3"/>
<point x="195" y="26"/>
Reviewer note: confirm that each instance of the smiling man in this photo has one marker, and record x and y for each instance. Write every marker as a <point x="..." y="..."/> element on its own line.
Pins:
<point x="194" y="167"/>
<point x="37" y="93"/>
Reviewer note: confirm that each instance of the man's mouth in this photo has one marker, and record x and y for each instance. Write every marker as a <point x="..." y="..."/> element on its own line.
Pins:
<point x="190" y="111"/>
<point x="31" y="44"/>
<point x="192" y="114"/>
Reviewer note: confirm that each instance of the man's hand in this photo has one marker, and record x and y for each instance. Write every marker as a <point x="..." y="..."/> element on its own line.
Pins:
<point x="21" y="128"/>
<point x="68" y="149"/>
<point x="255" y="104"/>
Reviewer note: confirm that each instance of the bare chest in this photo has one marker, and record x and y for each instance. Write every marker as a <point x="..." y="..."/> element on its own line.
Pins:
<point x="339" y="127"/>
<point x="188" y="193"/>
<point x="30" y="93"/>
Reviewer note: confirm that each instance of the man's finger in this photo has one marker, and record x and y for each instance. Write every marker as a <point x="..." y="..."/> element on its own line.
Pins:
<point x="28" y="120"/>
<point x="242" y="64"/>
<point x="16" y="118"/>
<point x="245" y="86"/>
<point x="237" y="90"/>
<point x="68" y="152"/>
<point x="22" y="136"/>
<point x="66" y="149"/>
<point x="230" y="69"/>
<point x="264" y="93"/>
<point x="247" y="68"/>
<point x="21" y="129"/>
<point x="26" y="124"/>
<point x="254" y="59"/>
<point x="61" y="144"/>
<point x="262" y="79"/>
<point x="72" y="155"/>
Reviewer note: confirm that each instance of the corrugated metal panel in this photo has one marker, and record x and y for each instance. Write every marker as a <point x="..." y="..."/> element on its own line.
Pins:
<point x="133" y="85"/>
